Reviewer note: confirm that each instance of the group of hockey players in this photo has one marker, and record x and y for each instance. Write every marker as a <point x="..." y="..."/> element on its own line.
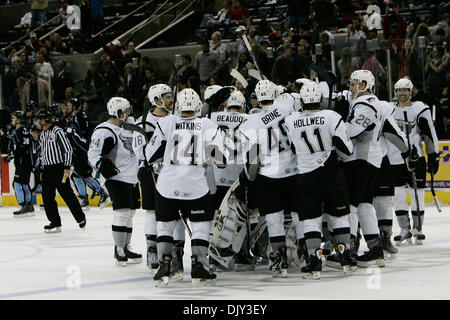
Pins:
<point x="288" y="182"/>
<point x="24" y="150"/>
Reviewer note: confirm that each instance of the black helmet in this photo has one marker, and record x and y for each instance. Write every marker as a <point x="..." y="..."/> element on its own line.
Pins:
<point x="31" y="105"/>
<point x="35" y="128"/>
<point x="75" y="102"/>
<point x="19" y="114"/>
<point x="43" y="114"/>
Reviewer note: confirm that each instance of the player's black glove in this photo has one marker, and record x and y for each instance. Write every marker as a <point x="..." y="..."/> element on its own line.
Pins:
<point x="433" y="163"/>
<point x="342" y="106"/>
<point x="412" y="159"/>
<point x="219" y="97"/>
<point x="107" y="168"/>
<point x="142" y="171"/>
<point x="8" y="158"/>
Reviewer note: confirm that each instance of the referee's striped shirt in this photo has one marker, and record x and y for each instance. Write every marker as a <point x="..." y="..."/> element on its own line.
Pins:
<point x="55" y="147"/>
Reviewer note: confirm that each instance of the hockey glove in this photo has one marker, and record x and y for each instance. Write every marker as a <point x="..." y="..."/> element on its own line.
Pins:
<point x="412" y="159"/>
<point x="433" y="163"/>
<point x="8" y="158"/>
<point x="219" y="97"/>
<point x="107" y="168"/>
<point x="342" y="107"/>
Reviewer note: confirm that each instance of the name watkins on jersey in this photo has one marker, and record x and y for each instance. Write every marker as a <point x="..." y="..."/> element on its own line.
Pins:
<point x="188" y="126"/>
<point x="308" y="122"/>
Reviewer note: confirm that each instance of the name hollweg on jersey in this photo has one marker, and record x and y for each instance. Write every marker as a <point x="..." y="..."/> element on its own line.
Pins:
<point x="303" y="122"/>
<point x="231" y="309"/>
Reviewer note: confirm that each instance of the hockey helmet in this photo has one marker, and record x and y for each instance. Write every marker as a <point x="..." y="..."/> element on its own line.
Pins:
<point x="117" y="105"/>
<point x="361" y="76"/>
<point x="403" y="83"/>
<point x="310" y="93"/>
<point x="266" y="90"/>
<point x="44" y="114"/>
<point x="188" y="100"/>
<point x="19" y="115"/>
<point x="157" y="91"/>
<point x="236" y="100"/>
<point x="210" y="91"/>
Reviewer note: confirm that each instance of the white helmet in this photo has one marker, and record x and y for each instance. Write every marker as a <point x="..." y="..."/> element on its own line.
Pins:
<point x="236" y="100"/>
<point x="280" y="90"/>
<point x="310" y="93"/>
<point x="403" y="83"/>
<point x="188" y="100"/>
<point x="116" y="104"/>
<point x="209" y="91"/>
<point x="157" y="91"/>
<point x="265" y="90"/>
<point x="363" y="76"/>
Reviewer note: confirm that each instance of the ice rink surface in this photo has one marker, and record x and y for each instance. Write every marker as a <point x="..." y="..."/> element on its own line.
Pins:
<point x="78" y="264"/>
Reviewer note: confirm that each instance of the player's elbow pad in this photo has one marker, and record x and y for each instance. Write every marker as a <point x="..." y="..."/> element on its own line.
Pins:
<point x="107" y="168"/>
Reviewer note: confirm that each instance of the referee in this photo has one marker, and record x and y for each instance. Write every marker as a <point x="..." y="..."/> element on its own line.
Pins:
<point x="56" y="158"/>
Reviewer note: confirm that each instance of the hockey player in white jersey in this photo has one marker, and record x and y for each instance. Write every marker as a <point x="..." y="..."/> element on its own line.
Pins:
<point x="271" y="164"/>
<point x="415" y="118"/>
<point x="316" y="137"/>
<point x="111" y="153"/>
<point x="183" y="143"/>
<point x="161" y="99"/>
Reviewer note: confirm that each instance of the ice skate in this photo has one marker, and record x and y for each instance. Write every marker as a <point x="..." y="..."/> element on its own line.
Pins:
<point x="389" y="250"/>
<point x="51" y="228"/>
<point x="152" y="260"/>
<point x="405" y="235"/>
<point x="347" y="262"/>
<point x="312" y="270"/>
<point x="373" y="256"/>
<point x="133" y="257"/>
<point x="200" y="276"/>
<point x="82" y="224"/>
<point x="418" y="238"/>
<point x="119" y="257"/>
<point x="243" y="262"/>
<point x="22" y="212"/>
<point x="84" y="203"/>
<point x="104" y="199"/>
<point x="176" y="270"/>
<point x="279" y="264"/>
<point x="333" y="261"/>
<point x="162" y="277"/>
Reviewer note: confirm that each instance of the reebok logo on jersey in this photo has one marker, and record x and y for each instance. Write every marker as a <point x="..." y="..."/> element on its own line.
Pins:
<point x="197" y="211"/>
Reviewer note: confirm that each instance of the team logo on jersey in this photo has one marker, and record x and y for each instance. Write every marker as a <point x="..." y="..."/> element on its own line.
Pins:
<point x="127" y="143"/>
<point x="51" y="137"/>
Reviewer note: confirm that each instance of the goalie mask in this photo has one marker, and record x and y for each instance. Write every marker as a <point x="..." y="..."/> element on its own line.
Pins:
<point x="117" y="107"/>
<point x="403" y="83"/>
<point x="157" y="91"/>
<point x="188" y="100"/>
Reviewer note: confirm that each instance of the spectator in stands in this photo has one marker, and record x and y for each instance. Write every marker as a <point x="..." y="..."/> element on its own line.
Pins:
<point x="300" y="67"/>
<point x="282" y="67"/>
<point x="436" y="68"/>
<point x="111" y="76"/>
<point x="93" y="85"/>
<point x="114" y="52"/>
<point x="218" y="47"/>
<point x="439" y="37"/>
<point x="35" y="43"/>
<point x="35" y="89"/>
<point x="305" y="42"/>
<point x="356" y="39"/>
<point x="185" y="71"/>
<point x="298" y="13"/>
<point x="26" y="66"/>
<point x="238" y="12"/>
<point x="43" y="67"/>
<point x="222" y="17"/>
<point x="63" y="79"/>
<point x="57" y="45"/>
<point x="276" y="42"/>
<point x="372" y="64"/>
<point x="373" y="19"/>
<point x="346" y="65"/>
<point x="97" y="15"/>
<point x="207" y="63"/>
<point x="324" y="13"/>
<point x="194" y="83"/>
<point x="76" y="42"/>
<point x="394" y="29"/>
<point x="443" y="24"/>
<point x="422" y="30"/>
<point x="396" y="38"/>
<point x="86" y="19"/>
<point x="132" y="91"/>
<point x="346" y="11"/>
<point x="303" y="30"/>
<point x="38" y="12"/>
<point x="407" y="59"/>
<point x="69" y="94"/>
<point x="131" y="53"/>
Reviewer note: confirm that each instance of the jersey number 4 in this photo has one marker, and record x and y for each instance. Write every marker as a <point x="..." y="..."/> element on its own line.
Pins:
<point x="304" y="136"/>
<point x="189" y="152"/>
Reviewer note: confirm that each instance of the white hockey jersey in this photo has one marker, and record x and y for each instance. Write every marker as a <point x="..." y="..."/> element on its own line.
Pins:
<point x="139" y="141"/>
<point x="418" y="116"/>
<point x="364" y="127"/>
<point x="265" y="129"/>
<point x="121" y="155"/>
<point x="390" y="132"/>
<point x="184" y="145"/>
<point x="229" y="122"/>
<point x="315" y="134"/>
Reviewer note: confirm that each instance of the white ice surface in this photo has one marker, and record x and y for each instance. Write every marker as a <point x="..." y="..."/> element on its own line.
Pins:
<point x="34" y="265"/>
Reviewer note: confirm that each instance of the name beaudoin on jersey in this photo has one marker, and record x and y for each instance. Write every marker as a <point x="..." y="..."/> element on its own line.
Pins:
<point x="184" y="145"/>
<point x="314" y="134"/>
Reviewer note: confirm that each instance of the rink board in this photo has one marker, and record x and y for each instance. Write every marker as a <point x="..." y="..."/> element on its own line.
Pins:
<point x="441" y="181"/>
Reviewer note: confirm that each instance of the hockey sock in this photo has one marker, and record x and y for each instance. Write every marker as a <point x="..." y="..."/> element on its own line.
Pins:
<point x="93" y="183"/>
<point x="275" y="227"/>
<point x="81" y="187"/>
<point x="383" y="210"/>
<point x="164" y="241"/>
<point x="416" y="216"/>
<point x="420" y="213"/>
<point x="150" y="228"/>
<point x="200" y="240"/>
<point x="119" y="227"/>
<point x="401" y="208"/>
<point x="313" y="236"/>
<point x="341" y="229"/>
<point x="353" y="221"/>
<point x="179" y="231"/>
<point x="19" y="193"/>
<point x="369" y="224"/>
<point x="130" y="226"/>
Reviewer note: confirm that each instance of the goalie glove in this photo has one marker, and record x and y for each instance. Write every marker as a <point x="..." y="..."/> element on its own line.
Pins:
<point x="107" y="168"/>
<point x="219" y="97"/>
<point x="411" y="159"/>
<point x="433" y="163"/>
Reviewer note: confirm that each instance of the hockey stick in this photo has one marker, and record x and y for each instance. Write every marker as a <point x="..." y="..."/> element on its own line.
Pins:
<point x="436" y="202"/>
<point x="238" y="76"/>
<point x="254" y="74"/>
<point x="413" y="177"/>
<point x="250" y="50"/>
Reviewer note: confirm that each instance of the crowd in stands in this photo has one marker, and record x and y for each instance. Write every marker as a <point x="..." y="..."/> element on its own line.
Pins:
<point x="284" y="54"/>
